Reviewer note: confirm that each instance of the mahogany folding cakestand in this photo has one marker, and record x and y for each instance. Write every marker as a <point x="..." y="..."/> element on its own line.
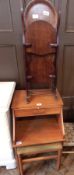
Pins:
<point x="40" y="24"/>
<point x="38" y="130"/>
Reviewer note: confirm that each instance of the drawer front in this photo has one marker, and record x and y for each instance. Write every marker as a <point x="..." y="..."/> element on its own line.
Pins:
<point x="34" y="112"/>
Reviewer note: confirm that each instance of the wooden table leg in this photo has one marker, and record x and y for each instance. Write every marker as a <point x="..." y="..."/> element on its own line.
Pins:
<point x="20" y="165"/>
<point x="59" y="158"/>
<point x="13" y="127"/>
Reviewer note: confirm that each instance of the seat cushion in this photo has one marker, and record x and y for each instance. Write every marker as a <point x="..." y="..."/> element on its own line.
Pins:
<point x="39" y="148"/>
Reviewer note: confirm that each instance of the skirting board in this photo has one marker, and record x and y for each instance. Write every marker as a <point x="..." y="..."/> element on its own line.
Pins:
<point x="9" y="164"/>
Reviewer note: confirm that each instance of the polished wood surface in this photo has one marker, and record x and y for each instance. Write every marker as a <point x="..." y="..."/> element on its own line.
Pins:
<point x="41" y="21"/>
<point x="39" y="69"/>
<point x="40" y="25"/>
<point x="43" y="101"/>
<point x="37" y="131"/>
<point x="40" y="105"/>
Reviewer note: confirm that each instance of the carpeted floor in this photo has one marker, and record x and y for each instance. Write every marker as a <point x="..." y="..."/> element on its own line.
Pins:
<point x="45" y="168"/>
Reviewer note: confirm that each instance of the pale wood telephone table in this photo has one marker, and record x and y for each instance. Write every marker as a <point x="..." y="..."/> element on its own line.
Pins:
<point x="37" y="127"/>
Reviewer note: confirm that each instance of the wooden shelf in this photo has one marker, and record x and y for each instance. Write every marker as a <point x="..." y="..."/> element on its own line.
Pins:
<point x="47" y="100"/>
<point x="43" y="104"/>
<point x="37" y="131"/>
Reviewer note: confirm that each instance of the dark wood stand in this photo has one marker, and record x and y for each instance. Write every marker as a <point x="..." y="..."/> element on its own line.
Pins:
<point x="37" y="127"/>
<point x="40" y="28"/>
<point x="38" y="130"/>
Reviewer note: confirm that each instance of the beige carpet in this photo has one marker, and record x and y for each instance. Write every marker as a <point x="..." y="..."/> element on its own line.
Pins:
<point x="45" y="168"/>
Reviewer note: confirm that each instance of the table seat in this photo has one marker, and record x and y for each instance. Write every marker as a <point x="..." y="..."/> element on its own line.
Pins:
<point x="39" y="148"/>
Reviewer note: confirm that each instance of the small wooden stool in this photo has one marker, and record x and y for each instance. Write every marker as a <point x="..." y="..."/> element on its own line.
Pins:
<point x="69" y="138"/>
<point x="37" y="153"/>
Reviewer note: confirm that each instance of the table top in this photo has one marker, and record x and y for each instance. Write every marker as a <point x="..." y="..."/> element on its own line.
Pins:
<point x="38" y="131"/>
<point x="43" y="100"/>
<point x="6" y="93"/>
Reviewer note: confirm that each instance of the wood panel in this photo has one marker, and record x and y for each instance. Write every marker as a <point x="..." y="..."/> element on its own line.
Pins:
<point x="65" y="62"/>
<point x="8" y="62"/>
<point x="28" y="134"/>
<point x="11" y="48"/>
<point x="68" y="71"/>
<point x="5" y="16"/>
<point x="69" y="16"/>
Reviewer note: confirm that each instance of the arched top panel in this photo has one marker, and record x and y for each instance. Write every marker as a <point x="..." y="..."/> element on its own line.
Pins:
<point x="41" y="10"/>
<point x="41" y="22"/>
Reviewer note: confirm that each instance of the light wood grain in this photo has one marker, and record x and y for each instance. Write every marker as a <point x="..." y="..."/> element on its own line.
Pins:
<point x="37" y="131"/>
